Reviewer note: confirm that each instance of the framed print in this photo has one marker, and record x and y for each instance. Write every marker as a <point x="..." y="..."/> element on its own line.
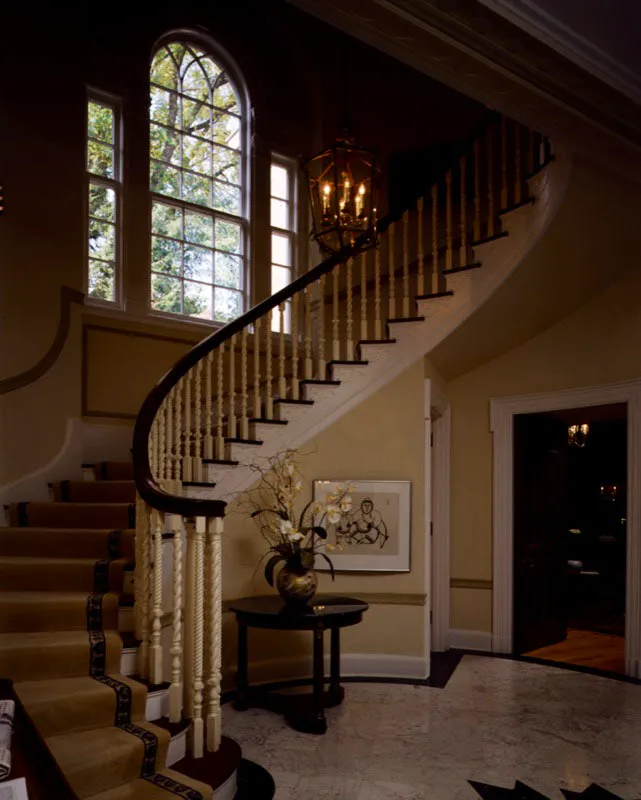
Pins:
<point x="374" y="536"/>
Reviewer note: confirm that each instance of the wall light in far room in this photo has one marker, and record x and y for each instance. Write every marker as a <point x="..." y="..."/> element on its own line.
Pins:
<point x="577" y="434"/>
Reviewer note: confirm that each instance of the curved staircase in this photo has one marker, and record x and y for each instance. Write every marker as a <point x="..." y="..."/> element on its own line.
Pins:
<point x="65" y="578"/>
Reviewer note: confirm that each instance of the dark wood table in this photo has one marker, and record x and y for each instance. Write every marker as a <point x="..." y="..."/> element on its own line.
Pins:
<point x="323" y="613"/>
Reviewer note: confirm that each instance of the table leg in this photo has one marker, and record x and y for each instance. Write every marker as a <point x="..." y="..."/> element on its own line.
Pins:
<point x="336" y="692"/>
<point x="242" y="687"/>
<point x="318" y="704"/>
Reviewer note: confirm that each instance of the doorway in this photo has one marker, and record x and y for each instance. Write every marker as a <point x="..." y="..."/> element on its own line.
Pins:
<point x="570" y="533"/>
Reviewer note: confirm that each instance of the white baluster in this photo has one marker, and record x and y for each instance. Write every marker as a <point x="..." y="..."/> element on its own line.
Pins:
<point x="490" y="181"/>
<point x="162" y="443"/>
<point x="435" y="281"/>
<point x="449" y="260"/>
<point x="143" y="592"/>
<point x="504" y="192"/>
<point x="153" y="452"/>
<point x="308" y="366"/>
<point x="197" y="460"/>
<point x="477" y="191"/>
<point x="294" y="314"/>
<point x="187" y="465"/>
<point x="214" y="634"/>
<point x="138" y="569"/>
<point x="322" y="364"/>
<point x="176" y="688"/>
<point x="257" y="408"/>
<point x="220" y="433"/>
<point x="336" y="344"/>
<point x="282" y="386"/>
<point x="155" y="668"/>
<point x="269" y="396"/>
<point x="391" y="255"/>
<point x="209" y="439"/>
<point x="244" y="422"/>
<point x="406" y="266"/>
<point x="231" y="406"/>
<point x="189" y="616"/>
<point x="463" y="248"/>
<point x="169" y="459"/>
<point x="197" y="743"/>
<point x="349" y="315"/>
<point x="363" y="335"/>
<point x="420" y="280"/>
<point x="378" y="331"/>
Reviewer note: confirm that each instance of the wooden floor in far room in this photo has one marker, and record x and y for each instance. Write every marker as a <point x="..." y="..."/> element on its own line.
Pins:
<point x="589" y="649"/>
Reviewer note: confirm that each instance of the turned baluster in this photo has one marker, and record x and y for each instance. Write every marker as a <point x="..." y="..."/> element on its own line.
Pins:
<point x="214" y="632"/>
<point x="244" y="422"/>
<point x="420" y="278"/>
<point x="406" y="265"/>
<point x="504" y="192"/>
<point x="197" y="460"/>
<point x="220" y="433"/>
<point x="378" y="325"/>
<point x="462" y="259"/>
<point x="209" y="439"/>
<point x="269" y="397"/>
<point x="142" y="586"/>
<point x="187" y="472"/>
<point x="435" y="275"/>
<point x="257" y="408"/>
<point x="363" y="335"/>
<point x="308" y="366"/>
<point x="176" y="689"/>
<point x="322" y="366"/>
<point x="178" y="431"/>
<point x="282" y="385"/>
<point x="294" y="337"/>
<point x="336" y="344"/>
<point x="391" y="296"/>
<point x="231" y="403"/>
<point x="477" y="191"/>
<point x="449" y="260"/>
<point x="155" y="666"/>
<point x="517" y="163"/>
<point x="490" y="181"/>
<point x="349" y="314"/>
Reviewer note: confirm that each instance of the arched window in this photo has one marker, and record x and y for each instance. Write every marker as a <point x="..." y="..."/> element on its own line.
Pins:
<point x="198" y="186"/>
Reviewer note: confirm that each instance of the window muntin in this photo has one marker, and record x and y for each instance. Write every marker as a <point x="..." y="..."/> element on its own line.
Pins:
<point x="103" y="200"/>
<point x="196" y="148"/>
<point x="283" y="230"/>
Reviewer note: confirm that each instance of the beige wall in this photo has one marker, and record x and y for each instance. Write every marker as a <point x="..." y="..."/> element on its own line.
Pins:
<point x="382" y="438"/>
<point x="598" y="344"/>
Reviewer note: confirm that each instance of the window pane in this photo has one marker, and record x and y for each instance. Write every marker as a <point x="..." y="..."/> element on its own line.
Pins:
<point x="227" y="304"/>
<point x="164" y="179"/>
<point x="100" y="122"/>
<point x="197" y="300"/>
<point x="225" y="97"/>
<point x="195" y="80"/>
<point x="198" y="228"/>
<point x="164" y="107"/>
<point x="164" y="144"/>
<point x="165" y="293"/>
<point x="196" y="155"/>
<point x="163" y="70"/>
<point x="227" y="165"/>
<point x="100" y="159"/>
<point x="101" y="280"/>
<point x="102" y="240"/>
<point x="280" y="214"/>
<point x="199" y="263"/>
<point x="227" y="236"/>
<point x="228" y="270"/>
<point x="227" y="130"/>
<point x="279" y="182"/>
<point x="196" y="119"/>
<point x="226" y="198"/>
<point x="166" y="219"/>
<point x="165" y="256"/>
<point x="280" y="250"/>
<point x="102" y="202"/>
<point x="196" y="189"/>
<point x="281" y="277"/>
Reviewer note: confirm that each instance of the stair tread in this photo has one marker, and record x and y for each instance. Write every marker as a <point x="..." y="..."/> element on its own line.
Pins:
<point x="24" y="610"/>
<point x="71" y="542"/>
<point x="151" y="788"/>
<point x="104" y="758"/>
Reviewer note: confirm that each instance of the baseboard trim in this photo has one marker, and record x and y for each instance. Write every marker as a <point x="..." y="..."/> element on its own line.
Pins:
<point x="470" y="640"/>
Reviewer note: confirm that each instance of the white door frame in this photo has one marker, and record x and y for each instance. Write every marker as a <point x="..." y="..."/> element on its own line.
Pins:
<point x="502" y="411"/>
<point x="440" y="530"/>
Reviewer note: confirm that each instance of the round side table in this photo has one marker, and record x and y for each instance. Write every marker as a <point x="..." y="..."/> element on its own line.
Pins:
<point x="324" y="613"/>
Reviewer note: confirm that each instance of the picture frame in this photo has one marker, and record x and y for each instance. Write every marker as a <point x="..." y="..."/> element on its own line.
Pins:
<point x="375" y="536"/>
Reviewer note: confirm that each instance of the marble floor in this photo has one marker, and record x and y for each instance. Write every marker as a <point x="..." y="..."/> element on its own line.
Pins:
<point x="496" y="721"/>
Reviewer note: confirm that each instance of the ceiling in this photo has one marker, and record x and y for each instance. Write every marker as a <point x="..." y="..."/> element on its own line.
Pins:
<point x="601" y="37"/>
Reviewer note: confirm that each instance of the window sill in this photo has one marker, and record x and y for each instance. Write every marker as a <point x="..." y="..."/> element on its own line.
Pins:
<point x="115" y="312"/>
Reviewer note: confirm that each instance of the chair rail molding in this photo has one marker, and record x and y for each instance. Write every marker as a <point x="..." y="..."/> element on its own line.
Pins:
<point x="502" y="412"/>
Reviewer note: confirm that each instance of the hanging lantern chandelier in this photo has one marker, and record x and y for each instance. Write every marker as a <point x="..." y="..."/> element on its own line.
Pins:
<point x="342" y="186"/>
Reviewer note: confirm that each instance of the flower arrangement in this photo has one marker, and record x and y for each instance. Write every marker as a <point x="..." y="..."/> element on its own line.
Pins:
<point x="294" y="539"/>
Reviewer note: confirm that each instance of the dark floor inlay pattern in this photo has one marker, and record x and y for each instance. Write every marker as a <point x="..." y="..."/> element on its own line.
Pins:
<point x="522" y="791"/>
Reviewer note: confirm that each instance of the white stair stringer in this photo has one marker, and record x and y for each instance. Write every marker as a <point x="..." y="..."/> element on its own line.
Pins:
<point x="414" y="339"/>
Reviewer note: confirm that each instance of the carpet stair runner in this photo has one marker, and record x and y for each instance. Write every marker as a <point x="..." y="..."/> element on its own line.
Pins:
<point x="63" y="576"/>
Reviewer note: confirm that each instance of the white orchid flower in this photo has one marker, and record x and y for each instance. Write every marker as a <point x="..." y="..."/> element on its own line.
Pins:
<point x="317" y="508"/>
<point x="295" y="536"/>
<point x="298" y="486"/>
<point x="346" y="504"/>
<point x="286" y="527"/>
<point x="333" y="514"/>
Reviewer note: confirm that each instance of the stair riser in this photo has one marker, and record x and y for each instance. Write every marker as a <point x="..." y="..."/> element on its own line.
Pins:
<point x="27" y="576"/>
<point x="94" y="492"/>
<point x="241" y="452"/>
<point x="318" y="393"/>
<point x="68" y="515"/>
<point x="62" y="543"/>
<point x="55" y="616"/>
